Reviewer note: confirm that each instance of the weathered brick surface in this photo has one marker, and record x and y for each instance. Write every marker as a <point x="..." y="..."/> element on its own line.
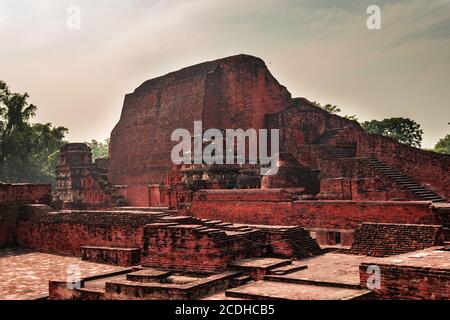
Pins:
<point x="428" y="167"/>
<point x="417" y="275"/>
<point x="124" y="257"/>
<point x="12" y="196"/>
<point x="294" y="242"/>
<point x="312" y="213"/>
<point x="270" y="195"/>
<point x="197" y="248"/>
<point x="65" y="232"/>
<point x="128" y="290"/>
<point x="379" y="239"/>
<point x="374" y="188"/>
<point x="235" y="92"/>
<point x="83" y="184"/>
<point x="25" y="193"/>
<point x="8" y="225"/>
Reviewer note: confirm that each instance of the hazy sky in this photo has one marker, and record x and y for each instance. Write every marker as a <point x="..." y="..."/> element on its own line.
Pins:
<point x="321" y="50"/>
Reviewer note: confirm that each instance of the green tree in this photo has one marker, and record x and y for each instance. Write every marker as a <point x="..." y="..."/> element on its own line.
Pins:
<point x="443" y="145"/>
<point x="28" y="152"/>
<point x="335" y="110"/>
<point x="404" y="130"/>
<point x="99" y="149"/>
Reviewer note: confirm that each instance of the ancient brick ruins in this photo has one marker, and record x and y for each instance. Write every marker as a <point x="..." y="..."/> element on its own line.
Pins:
<point x="141" y="227"/>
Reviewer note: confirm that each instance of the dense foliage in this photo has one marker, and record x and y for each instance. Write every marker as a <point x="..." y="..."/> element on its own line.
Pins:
<point x="404" y="130"/>
<point x="28" y="151"/>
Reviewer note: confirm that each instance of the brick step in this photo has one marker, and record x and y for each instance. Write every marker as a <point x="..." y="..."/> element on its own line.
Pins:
<point x="148" y="275"/>
<point x="272" y="290"/>
<point x="258" y="267"/>
<point x="328" y="135"/>
<point x="426" y="197"/>
<point x="154" y="209"/>
<point x="294" y="267"/>
<point x="124" y="257"/>
<point x="91" y="293"/>
<point x="425" y="193"/>
<point x="213" y="222"/>
<point x="177" y="219"/>
<point x="320" y="283"/>
<point x="401" y="179"/>
<point x="241" y="280"/>
<point x="416" y="188"/>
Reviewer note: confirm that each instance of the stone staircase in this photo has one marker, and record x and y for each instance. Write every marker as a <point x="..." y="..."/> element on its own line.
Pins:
<point x="273" y="279"/>
<point x="328" y="136"/>
<point x="341" y="152"/>
<point x="403" y="181"/>
<point x="258" y="268"/>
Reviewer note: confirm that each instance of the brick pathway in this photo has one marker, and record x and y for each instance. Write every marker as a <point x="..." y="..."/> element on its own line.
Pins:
<point x="24" y="274"/>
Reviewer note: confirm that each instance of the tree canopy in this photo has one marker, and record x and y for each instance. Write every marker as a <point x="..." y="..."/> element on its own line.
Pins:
<point x="335" y="110"/>
<point x="99" y="149"/>
<point x="404" y="130"/>
<point x="443" y="145"/>
<point x="28" y="151"/>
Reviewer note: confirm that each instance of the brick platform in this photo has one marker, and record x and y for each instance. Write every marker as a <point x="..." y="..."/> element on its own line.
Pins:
<point x="269" y="290"/>
<point x="416" y="275"/>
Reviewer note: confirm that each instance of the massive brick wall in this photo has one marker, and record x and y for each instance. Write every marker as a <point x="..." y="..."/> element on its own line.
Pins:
<point x="380" y="239"/>
<point x="65" y="232"/>
<point x="240" y="92"/>
<point x="303" y="123"/>
<point x="312" y="213"/>
<point x="234" y="92"/>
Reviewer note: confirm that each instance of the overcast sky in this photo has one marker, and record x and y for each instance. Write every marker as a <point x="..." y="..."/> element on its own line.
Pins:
<point x="321" y="50"/>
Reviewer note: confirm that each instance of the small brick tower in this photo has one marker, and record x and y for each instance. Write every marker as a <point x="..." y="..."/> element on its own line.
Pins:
<point x="80" y="183"/>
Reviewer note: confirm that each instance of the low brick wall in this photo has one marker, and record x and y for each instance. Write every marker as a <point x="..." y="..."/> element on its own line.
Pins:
<point x="12" y="196"/>
<point x="124" y="257"/>
<point x="311" y="213"/>
<point x="65" y="232"/>
<point x="380" y="239"/>
<point x="8" y="225"/>
<point x="197" y="248"/>
<point x="408" y="282"/>
<point x="25" y="193"/>
<point x="260" y="195"/>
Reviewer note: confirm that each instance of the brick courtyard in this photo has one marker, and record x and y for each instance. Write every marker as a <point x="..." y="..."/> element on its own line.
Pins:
<point x="24" y="274"/>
